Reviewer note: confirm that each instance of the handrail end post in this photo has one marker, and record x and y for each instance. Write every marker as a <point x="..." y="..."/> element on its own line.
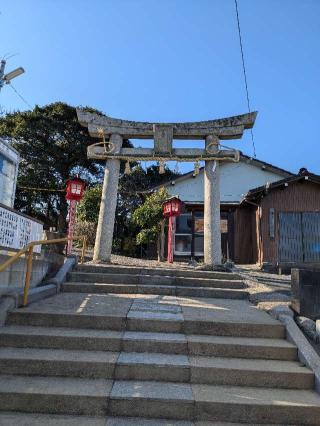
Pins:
<point x="28" y="276"/>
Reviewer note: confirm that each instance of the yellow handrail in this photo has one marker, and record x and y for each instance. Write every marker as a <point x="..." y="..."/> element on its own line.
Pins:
<point x="29" y="249"/>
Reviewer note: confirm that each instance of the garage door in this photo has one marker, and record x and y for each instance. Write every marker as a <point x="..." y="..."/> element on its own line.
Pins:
<point x="299" y="239"/>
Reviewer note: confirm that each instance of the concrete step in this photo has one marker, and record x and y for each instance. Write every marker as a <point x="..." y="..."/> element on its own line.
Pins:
<point x="223" y="371"/>
<point x="214" y="403"/>
<point x="250" y="372"/>
<point x="176" y="323"/>
<point x="122" y="278"/>
<point x="60" y="338"/>
<point x="49" y="319"/>
<point x="27" y="419"/>
<point x="241" y="347"/>
<point x="57" y="395"/>
<point x="147" y="321"/>
<point x="170" y="272"/>
<point x="138" y="421"/>
<point x="168" y="290"/>
<point x="137" y="341"/>
<point x="154" y="366"/>
<point x="58" y="362"/>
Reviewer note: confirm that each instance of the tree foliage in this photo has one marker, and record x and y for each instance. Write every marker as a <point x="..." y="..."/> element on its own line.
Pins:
<point x="149" y="216"/>
<point x="88" y="208"/>
<point x="130" y="196"/>
<point x="53" y="148"/>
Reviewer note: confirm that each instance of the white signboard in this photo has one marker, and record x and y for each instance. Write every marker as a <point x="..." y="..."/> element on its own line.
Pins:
<point x="17" y="231"/>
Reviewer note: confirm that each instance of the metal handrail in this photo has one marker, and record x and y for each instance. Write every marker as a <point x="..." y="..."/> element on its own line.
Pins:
<point x="29" y="249"/>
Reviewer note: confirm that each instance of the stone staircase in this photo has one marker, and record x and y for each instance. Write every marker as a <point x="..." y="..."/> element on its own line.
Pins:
<point x="156" y="281"/>
<point x="127" y="346"/>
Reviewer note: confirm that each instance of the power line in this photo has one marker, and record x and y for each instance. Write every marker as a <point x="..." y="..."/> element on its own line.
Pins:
<point x="20" y="96"/>
<point x="244" y="74"/>
<point x="28" y="188"/>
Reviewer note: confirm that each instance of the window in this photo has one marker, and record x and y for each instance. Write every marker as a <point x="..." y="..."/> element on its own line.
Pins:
<point x="184" y="224"/>
<point x="198" y="244"/>
<point x="198" y="233"/>
<point x="183" y="234"/>
<point x="183" y="244"/>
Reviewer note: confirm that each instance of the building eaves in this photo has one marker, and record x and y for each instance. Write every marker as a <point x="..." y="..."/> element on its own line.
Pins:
<point x="256" y="193"/>
<point x="243" y="158"/>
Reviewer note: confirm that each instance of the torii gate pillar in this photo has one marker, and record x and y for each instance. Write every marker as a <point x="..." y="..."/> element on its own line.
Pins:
<point x="104" y="235"/>
<point x="212" y="232"/>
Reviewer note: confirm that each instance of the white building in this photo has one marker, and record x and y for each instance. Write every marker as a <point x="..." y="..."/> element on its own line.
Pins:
<point x="236" y="180"/>
<point x="16" y="229"/>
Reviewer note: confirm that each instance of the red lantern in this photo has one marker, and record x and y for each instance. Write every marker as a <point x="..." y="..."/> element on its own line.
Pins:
<point x="75" y="189"/>
<point x="74" y="194"/>
<point x="171" y="208"/>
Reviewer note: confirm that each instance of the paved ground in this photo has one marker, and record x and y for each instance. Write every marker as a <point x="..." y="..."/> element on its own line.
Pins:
<point x="147" y="263"/>
<point x="266" y="290"/>
<point x="143" y="305"/>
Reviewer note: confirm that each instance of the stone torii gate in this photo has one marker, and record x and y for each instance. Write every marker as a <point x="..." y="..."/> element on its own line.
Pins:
<point x="113" y="131"/>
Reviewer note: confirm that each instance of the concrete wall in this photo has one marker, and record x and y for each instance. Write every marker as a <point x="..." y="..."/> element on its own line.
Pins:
<point x="236" y="180"/>
<point x="44" y="265"/>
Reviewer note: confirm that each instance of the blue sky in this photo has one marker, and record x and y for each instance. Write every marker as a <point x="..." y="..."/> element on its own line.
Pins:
<point x="175" y="60"/>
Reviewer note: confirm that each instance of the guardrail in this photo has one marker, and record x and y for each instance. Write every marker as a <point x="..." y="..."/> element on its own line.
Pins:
<point x="28" y="251"/>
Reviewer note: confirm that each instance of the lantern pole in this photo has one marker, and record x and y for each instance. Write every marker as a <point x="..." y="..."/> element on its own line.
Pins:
<point x="75" y="189"/>
<point x="171" y="209"/>
<point x="170" y="240"/>
<point x="71" y="224"/>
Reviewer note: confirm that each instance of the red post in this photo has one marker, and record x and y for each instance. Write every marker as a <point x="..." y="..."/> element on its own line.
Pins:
<point x="170" y="240"/>
<point x="71" y="224"/>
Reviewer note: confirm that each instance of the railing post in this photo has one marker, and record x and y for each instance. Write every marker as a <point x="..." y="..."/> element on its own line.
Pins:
<point x="28" y="276"/>
<point x="83" y="252"/>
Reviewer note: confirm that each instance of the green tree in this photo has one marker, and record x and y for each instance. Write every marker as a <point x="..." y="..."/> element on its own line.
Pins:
<point x="88" y="208"/>
<point x="149" y="218"/>
<point x="131" y="195"/>
<point x="53" y="148"/>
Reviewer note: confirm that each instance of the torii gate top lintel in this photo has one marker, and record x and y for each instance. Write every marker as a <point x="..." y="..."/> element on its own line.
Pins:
<point x="112" y="132"/>
<point x="163" y="134"/>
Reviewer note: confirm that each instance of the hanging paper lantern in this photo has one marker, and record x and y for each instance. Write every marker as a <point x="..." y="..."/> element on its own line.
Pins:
<point x="161" y="167"/>
<point x="127" y="170"/>
<point x="196" y="168"/>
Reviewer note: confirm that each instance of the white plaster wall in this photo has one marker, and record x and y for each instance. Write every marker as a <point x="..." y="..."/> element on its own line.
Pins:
<point x="236" y="180"/>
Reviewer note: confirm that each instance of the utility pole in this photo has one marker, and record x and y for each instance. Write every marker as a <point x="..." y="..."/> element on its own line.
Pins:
<point x="6" y="78"/>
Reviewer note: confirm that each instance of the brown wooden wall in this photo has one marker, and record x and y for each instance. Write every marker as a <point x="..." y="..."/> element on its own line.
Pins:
<point x="297" y="197"/>
<point x="245" y="237"/>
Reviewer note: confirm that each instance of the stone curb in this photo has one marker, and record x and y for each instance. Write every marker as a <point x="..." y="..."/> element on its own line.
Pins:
<point x="61" y="275"/>
<point x="306" y="353"/>
<point x="13" y="299"/>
